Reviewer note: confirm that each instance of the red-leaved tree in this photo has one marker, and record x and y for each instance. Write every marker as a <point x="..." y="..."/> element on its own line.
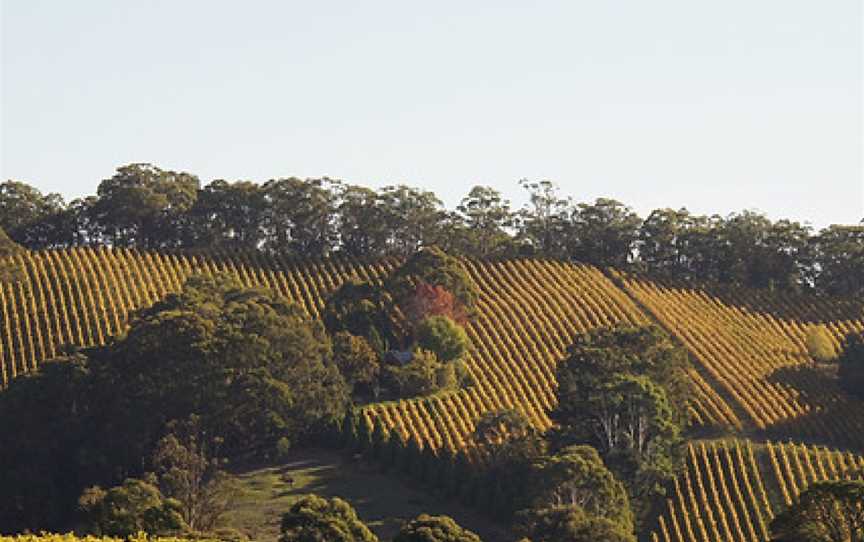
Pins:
<point x="432" y="300"/>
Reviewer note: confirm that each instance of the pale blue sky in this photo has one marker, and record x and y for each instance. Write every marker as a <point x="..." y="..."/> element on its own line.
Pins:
<point x="713" y="105"/>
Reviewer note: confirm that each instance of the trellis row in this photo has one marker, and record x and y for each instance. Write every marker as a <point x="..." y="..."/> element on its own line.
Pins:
<point x="752" y="345"/>
<point x="731" y="490"/>
<point x="529" y="311"/>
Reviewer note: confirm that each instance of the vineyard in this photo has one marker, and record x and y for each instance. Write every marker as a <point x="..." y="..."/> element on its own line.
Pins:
<point x="752" y="373"/>
<point x="751" y="344"/>
<point x="732" y="489"/>
<point x="529" y="311"/>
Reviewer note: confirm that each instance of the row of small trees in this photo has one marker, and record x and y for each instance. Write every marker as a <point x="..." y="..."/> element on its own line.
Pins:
<point x="146" y="207"/>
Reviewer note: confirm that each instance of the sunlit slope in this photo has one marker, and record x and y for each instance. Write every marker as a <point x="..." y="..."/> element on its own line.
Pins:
<point x="529" y="311"/>
<point x="84" y="296"/>
<point x="750" y="346"/>
<point x="731" y="490"/>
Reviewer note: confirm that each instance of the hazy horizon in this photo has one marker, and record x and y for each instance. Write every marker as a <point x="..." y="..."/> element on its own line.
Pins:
<point x="716" y="108"/>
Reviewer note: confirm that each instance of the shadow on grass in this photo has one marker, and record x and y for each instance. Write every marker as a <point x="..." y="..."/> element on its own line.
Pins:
<point x="382" y="500"/>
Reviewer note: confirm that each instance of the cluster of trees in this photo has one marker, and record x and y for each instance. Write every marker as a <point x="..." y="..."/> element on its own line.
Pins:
<point x="625" y="391"/>
<point x="404" y="337"/>
<point x="211" y="374"/>
<point x="824" y="512"/>
<point x="622" y="408"/>
<point x="215" y="372"/>
<point x="185" y="492"/>
<point x="147" y="207"/>
<point x="599" y="474"/>
<point x="315" y="518"/>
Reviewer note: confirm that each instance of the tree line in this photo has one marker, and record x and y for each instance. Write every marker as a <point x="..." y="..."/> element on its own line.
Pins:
<point x="147" y="207"/>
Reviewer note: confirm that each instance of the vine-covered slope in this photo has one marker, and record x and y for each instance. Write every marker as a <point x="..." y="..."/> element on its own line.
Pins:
<point x="731" y="490"/>
<point x="752" y="373"/>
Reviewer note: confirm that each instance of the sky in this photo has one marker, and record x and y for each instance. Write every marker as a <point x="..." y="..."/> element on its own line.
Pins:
<point x="714" y="106"/>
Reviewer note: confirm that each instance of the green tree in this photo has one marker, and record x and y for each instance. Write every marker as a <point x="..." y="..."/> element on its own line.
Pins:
<point x="753" y="251"/>
<point x="357" y="361"/>
<point x="787" y="258"/>
<point x="418" y="377"/>
<point x="824" y="512"/>
<point x="300" y="216"/>
<point x="545" y="223"/>
<point x="661" y="239"/>
<point x="839" y="257"/>
<point x="577" y="476"/>
<point x="227" y="216"/>
<point x="253" y="366"/>
<point x="413" y="217"/>
<point x="700" y="247"/>
<point x="426" y="528"/>
<point x="142" y="205"/>
<point x="364" y="310"/>
<point x="255" y="369"/>
<point x="508" y="437"/>
<point x="597" y="356"/>
<point x="28" y="216"/>
<point x="362" y="225"/>
<point x="130" y="508"/>
<point x="487" y="217"/>
<point x="317" y="519"/>
<point x="604" y="233"/>
<point x="188" y="470"/>
<point x="47" y="412"/>
<point x="569" y="523"/>
<point x="624" y="391"/>
<point x="443" y="336"/>
<point x="851" y="364"/>
<point x="820" y="345"/>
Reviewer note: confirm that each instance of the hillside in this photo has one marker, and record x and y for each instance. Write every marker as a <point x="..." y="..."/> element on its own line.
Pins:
<point x="752" y="374"/>
<point x="265" y="496"/>
<point x="731" y="489"/>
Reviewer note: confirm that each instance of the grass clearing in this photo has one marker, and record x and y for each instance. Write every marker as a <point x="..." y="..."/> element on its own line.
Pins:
<point x="383" y="501"/>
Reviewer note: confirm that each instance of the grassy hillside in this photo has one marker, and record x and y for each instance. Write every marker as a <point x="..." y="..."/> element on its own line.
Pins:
<point x="266" y="496"/>
<point x="752" y="373"/>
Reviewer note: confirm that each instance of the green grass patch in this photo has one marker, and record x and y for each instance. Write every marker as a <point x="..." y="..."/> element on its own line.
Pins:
<point x="383" y="501"/>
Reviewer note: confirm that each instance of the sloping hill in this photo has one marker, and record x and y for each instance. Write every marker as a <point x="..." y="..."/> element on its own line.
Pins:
<point x="731" y="490"/>
<point x="752" y="369"/>
<point x="752" y="372"/>
<point x="529" y="311"/>
<point x="750" y="344"/>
